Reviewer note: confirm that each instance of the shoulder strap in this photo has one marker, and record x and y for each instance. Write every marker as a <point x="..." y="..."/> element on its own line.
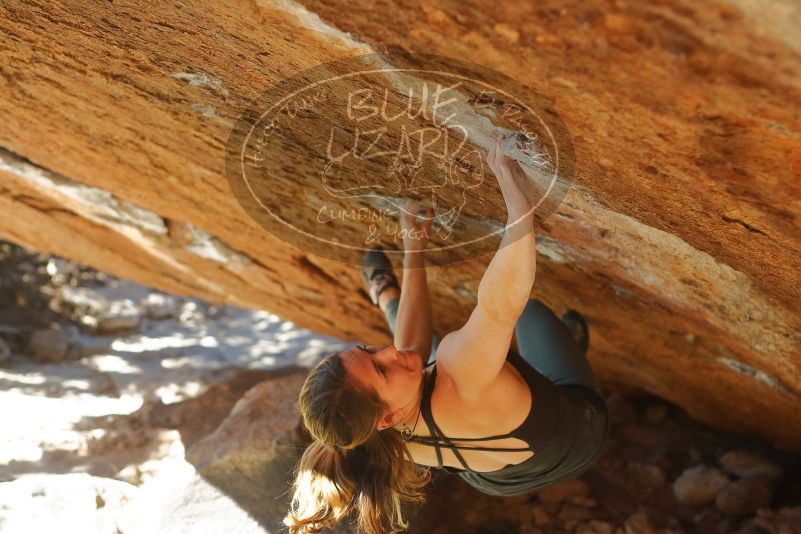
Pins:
<point x="450" y="445"/>
<point x="439" y="439"/>
<point x="432" y="439"/>
<point x="426" y="409"/>
<point x="429" y="418"/>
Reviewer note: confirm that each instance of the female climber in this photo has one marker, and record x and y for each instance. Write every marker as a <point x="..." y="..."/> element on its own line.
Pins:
<point x="381" y="416"/>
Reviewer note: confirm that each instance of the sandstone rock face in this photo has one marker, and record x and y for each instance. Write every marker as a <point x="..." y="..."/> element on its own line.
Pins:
<point x="200" y="416"/>
<point x="679" y="238"/>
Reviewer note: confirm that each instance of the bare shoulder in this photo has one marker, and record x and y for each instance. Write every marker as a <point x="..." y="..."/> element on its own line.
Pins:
<point x="444" y="385"/>
<point x="474" y="355"/>
<point x="445" y="389"/>
<point x="502" y="405"/>
<point x="507" y="384"/>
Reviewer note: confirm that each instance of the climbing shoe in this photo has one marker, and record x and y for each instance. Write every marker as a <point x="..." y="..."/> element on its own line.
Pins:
<point x="377" y="273"/>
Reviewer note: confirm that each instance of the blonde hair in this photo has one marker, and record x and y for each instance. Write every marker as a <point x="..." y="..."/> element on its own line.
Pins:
<point x="351" y="468"/>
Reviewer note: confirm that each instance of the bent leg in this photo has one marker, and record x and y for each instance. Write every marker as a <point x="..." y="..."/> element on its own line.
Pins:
<point x="391" y="313"/>
<point x="546" y="343"/>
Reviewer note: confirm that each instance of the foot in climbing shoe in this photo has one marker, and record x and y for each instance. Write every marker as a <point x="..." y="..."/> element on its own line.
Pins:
<point x="578" y="327"/>
<point x="377" y="274"/>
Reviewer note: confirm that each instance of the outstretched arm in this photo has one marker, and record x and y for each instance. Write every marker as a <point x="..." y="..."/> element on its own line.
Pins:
<point x="474" y="355"/>
<point x="413" y="329"/>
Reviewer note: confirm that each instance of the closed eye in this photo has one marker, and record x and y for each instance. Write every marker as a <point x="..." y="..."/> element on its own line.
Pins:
<point x="365" y="349"/>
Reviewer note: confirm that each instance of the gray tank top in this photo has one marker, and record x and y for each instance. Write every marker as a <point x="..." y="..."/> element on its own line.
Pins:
<point x="565" y="428"/>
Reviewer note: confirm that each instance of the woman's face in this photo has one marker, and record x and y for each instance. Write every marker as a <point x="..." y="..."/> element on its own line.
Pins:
<point x="395" y="374"/>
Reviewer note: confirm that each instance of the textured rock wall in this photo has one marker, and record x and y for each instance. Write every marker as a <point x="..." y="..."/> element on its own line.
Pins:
<point x="679" y="240"/>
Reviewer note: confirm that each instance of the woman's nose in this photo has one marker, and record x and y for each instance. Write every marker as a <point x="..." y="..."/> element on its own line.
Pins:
<point x="388" y="351"/>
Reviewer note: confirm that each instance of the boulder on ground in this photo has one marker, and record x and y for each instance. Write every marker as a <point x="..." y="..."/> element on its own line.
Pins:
<point x="159" y="306"/>
<point x="48" y="345"/>
<point x="699" y="485"/>
<point x="746" y="495"/>
<point x="252" y="454"/>
<point x="120" y="315"/>
<point x="744" y="464"/>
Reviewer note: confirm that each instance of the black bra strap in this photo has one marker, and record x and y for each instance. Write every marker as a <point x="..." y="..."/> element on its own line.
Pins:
<point x="490" y="438"/>
<point x="439" y="440"/>
<point x="426" y="409"/>
<point x="450" y="446"/>
<point x="429" y="418"/>
<point x="430" y="440"/>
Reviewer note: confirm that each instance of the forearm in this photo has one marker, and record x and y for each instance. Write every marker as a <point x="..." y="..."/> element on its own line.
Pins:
<point x="506" y="285"/>
<point x="414" y="328"/>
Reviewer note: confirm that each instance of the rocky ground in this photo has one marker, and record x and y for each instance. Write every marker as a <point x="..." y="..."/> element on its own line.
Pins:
<point x="105" y="386"/>
<point x="90" y="367"/>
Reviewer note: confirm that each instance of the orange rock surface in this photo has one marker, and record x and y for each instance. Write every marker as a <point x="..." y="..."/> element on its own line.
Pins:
<point x="680" y="239"/>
